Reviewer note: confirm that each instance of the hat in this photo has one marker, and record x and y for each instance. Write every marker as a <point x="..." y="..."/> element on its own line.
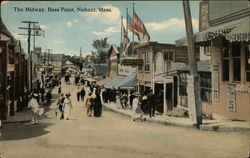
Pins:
<point x="136" y="93"/>
<point x="35" y="95"/>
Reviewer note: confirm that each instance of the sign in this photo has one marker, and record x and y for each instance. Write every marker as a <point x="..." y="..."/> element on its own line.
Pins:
<point x="132" y="62"/>
<point x="231" y="98"/>
<point x="215" y="83"/>
<point x="204" y="19"/>
<point x="10" y="67"/>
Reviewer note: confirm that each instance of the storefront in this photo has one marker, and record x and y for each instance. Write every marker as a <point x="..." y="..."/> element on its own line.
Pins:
<point x="229" y="40"/>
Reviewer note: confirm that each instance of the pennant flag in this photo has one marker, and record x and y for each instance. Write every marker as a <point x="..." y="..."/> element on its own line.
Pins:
<point x="126" y="41"/>
<point x="141" y="29"/>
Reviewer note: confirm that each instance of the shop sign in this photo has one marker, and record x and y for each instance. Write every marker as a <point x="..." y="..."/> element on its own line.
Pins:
<point x="231" y="97"/>
<point x="10" y="67"/>
<point x="132" y="62"/>
<point x="215" y="83"/>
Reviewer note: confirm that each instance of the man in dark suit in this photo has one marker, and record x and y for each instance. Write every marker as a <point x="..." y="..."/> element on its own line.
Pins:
<point x="151" y="103"/>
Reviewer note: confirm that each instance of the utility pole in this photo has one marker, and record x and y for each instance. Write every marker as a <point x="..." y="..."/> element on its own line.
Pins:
<point x="193" y="87"/>
<point x="49" y="57"/>
<point x="29" y="52"/>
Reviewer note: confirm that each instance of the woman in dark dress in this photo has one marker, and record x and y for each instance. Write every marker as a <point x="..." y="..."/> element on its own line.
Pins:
<point x="97" y="105"/>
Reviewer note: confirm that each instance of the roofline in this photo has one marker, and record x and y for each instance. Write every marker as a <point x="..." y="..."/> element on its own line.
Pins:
<point x="151" y="43"/>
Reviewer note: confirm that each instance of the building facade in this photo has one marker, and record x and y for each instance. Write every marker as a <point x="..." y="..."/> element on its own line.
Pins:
<point x="227" y="33"/>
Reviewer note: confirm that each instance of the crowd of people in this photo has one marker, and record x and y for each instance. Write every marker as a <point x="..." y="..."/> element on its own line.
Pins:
<point x="89" y="95"/>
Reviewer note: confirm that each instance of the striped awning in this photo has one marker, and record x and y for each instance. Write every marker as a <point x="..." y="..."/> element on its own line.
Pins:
<point x="237" y="30"/>
<point x="103" y="81"/>
<point x="127" y="82"/>
<point x="113" y="81"/>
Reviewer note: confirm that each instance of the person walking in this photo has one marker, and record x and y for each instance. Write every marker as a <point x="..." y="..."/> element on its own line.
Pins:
<point x="124" y="100"/>
<point x="89" y="102"/>
<point x="118" y="102"/>
<point x="59" y="90"/>
<point x="97" y="104"/>
<point x="33" y="104"/>
<point x="49" y="97"/>
<point x="60" y="106"/>
<point x="67" y="107"/>
<point x="78" y="94"/>
<point x="151" y="101"/>
<point x="136" y="110"/>
<point x="82" y="93"/>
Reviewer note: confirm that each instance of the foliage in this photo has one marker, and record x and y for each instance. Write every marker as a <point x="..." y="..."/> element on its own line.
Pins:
<point x="100" y="45"/>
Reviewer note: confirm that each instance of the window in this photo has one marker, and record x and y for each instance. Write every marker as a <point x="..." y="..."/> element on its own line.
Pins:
<point x="236" y="61"/>
<point x="247" y="49"/>
<point x="140" y="66"/>
<point x="183" y="84"/>
<point x="207" y="50"/>
<point x="147" y="64"/>
<point x="206" y="86"/>
<point x="225" y="61"/>
<point x="169" y="56"/>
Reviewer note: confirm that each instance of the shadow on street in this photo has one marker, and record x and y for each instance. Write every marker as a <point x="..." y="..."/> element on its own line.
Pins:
<point x="20" y="131"/>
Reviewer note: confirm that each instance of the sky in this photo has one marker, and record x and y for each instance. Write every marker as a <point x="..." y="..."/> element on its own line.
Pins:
<point x="66" y="32"/>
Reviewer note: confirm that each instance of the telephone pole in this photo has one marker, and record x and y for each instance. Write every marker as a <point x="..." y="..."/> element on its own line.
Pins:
<point x="193" y="87"/>
<point x="49" y="57"/>
<point x="29" y="52"/>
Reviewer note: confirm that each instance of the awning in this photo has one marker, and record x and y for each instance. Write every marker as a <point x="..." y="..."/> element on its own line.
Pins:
<point x="237" y="30"/>
<point x="127" y="82"/>
<point x="113" y="81"/>
<point x="103" y="81"/>
<point x="90" y="79"/>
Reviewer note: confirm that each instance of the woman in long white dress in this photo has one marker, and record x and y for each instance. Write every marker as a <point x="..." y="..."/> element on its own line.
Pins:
<point x="136" y="110"/>
<point x="67" y="107"/>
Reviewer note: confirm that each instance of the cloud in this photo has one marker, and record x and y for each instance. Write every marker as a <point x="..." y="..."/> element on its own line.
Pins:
<point x="44" y="27"/>
<point x="107" y="32"/>
<point x="57" y="42"/>
<point x="173" y="24"/>
<point x="20" y="37"/>
<point x="108" y="18"/>
<point x="71" y="23"/>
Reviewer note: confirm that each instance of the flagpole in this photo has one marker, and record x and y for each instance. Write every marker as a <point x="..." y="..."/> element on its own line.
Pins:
<point x="127" y="22"/>
<point x="121" y="40"/>
<point x="133" y="27"/>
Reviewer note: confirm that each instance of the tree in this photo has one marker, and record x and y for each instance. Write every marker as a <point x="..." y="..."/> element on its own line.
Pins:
<point x="100" y="45"/>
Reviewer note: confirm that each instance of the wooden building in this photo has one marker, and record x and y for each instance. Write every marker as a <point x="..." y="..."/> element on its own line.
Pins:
<point x="13" y="73"/>
<point x="227" y="33"/>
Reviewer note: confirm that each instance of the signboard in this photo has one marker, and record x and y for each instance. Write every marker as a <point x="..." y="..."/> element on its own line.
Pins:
<point x="231" y="97"/>
<point x="10" y="67"/>
<point x="215" y="83"/>
<point x="203" y="21"/>
<point x="132" y="62"/>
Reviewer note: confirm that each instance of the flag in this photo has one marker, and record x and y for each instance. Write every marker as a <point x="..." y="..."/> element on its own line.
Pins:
<point x="131" y="26"/>
<point x="141" y="29"/>
<point x="137" y="27"/>
<point x="126" y="41"/>
<point x="39" y="31"/>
